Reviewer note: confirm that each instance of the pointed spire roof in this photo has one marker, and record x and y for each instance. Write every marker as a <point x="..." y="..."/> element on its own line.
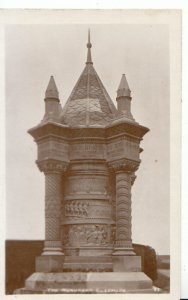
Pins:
<point x="89" y="103"/>
<point x="52" y="91"/>
<point x="89" y="45"/>
<point x="123" y="89"/>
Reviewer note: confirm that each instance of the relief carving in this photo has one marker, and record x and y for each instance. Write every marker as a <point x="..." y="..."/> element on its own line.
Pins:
<point x="76" y="208"/>
<point x="87" y="209"/>
<point x="86" y="235"/>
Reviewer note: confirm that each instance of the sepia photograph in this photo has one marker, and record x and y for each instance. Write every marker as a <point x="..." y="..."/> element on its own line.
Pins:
<point x="89" y="153"/>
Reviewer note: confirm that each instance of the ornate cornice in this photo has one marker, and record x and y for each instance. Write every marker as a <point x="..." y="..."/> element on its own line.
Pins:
<point x="52" y="166"/>
<point x="124" y="165"/>
<point x="128" y="128"/>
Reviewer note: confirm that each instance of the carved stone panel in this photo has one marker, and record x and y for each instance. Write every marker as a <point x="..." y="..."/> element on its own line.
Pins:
<point x="87" y="235"/>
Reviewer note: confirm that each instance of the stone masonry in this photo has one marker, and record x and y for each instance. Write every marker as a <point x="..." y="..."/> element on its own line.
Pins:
<point x="89" y="151"/>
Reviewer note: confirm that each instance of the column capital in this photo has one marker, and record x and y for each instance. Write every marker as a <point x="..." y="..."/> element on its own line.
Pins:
<point x="123" y="165"/>
<point x="52" y="166"/>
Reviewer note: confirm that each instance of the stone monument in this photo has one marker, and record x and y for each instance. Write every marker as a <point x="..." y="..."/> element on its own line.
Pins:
<point x="89" y="151"/>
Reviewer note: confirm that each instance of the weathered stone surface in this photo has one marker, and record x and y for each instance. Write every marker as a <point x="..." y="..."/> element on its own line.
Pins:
<point x="129" y="281"/>
<point x="51" y="148"/>
<point x="49" y="263"/>
<point x="126" y="263"/>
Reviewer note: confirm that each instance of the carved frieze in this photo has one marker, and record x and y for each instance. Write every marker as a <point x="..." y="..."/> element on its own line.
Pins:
<point x="87" y="235"/>
<point x="85" y="209"/>
<point x="76" y="208"/>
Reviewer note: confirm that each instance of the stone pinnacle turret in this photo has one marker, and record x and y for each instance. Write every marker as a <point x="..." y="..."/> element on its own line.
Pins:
<point x="123" y="89"/>
<point x="124" y="98"/>
<point x="52" y="102"/>
<point x="52" y="91"/>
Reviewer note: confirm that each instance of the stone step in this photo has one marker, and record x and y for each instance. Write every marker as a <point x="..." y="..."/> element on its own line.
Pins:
<point x="107" y="281"/>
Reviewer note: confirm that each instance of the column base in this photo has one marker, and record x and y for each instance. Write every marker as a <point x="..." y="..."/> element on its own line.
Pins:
<point x="49" y="263"/>
<point x="52" y="248"/>
<point x="123" y="252"/>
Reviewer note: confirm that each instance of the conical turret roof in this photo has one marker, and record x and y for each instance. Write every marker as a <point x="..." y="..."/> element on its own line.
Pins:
<point x="123" y="89"/>
<point x="52" y="91"/>
<point x="89" y="103"/>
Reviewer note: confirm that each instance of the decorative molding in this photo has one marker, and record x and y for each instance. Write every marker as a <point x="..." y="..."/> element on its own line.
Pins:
<point x="80" y="220"/>
<point x="131" y="128"/>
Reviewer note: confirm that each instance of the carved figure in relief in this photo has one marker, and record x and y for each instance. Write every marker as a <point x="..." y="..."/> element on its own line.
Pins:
<point x="87" y="235"/>
<point x="92" y="235"/>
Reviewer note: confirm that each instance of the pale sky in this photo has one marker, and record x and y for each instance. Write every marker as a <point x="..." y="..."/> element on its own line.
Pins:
<point x="33" y="54"/>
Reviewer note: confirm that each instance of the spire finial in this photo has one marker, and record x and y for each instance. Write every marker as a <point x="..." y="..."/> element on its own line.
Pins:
<point x="89" y="45"/>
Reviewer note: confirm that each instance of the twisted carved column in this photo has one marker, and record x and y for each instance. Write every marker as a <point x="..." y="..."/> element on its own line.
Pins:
<point x="124" y="172"/>
<point x="53" y="171"/>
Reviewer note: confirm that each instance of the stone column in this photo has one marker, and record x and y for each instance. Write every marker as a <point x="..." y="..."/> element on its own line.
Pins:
<point x="53" y="171"/>
<point x="53" y="198"/>
<point x="123" y="243"/>
<point x="124" y="173"/>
